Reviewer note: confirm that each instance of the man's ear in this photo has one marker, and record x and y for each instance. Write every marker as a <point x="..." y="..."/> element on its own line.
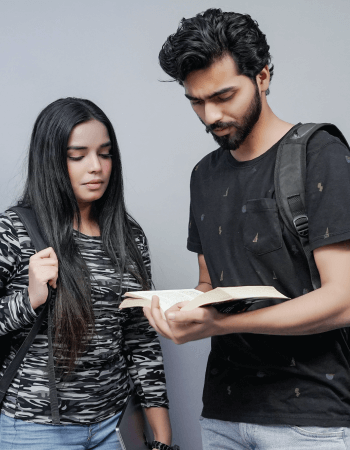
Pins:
<point x="263" y="79"/>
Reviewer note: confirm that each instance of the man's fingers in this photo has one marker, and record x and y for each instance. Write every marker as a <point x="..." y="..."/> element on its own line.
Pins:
<point x="195" y="315"/>
<point x="157" y="313"/>
<point x="161" y="328"/>
<point x="156" y="319"/>
<point x="177" y="306"/>
<point x="148" y="314"/>
<point x="155" y="302"/>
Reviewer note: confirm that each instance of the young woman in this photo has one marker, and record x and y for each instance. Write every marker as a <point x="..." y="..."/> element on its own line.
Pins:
<point x="97" y="252"/>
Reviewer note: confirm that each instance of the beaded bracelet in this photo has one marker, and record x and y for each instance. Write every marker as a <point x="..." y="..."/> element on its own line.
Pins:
<point x="161" y="446"/>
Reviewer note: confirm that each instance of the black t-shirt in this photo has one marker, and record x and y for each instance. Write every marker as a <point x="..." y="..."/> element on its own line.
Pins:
<point x="234" y="222"/>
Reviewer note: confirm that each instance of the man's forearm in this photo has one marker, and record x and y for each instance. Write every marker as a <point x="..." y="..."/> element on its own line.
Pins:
<point x="322" y="310"/>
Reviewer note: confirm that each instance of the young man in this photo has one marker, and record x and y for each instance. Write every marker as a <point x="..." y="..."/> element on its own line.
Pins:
<point x="277" y="377"/>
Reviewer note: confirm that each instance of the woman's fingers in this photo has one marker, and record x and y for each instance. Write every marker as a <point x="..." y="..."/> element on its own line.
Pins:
<point x="43" y="269"/>
<point x="48" y="252"/>
<point x="47" y="262"/>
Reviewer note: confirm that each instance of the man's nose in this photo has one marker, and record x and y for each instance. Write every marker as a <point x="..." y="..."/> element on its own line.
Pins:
<point x="212" y="114"/>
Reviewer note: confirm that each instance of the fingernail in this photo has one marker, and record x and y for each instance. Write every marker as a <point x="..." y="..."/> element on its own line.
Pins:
<point x="171" y="316"/>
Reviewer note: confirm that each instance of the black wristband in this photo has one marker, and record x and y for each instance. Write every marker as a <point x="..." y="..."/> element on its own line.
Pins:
<point x="161" y="446"/>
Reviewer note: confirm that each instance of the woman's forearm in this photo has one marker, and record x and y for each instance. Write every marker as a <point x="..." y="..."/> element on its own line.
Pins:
<point x="159" y="420"/>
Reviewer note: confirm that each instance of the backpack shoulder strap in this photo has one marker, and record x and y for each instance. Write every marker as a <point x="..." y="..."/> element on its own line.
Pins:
<point x="290" y="177"/>
<point x="28" y="218"/>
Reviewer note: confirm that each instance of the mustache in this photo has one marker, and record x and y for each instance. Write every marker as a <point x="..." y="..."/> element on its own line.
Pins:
<point x="220" y="126"/>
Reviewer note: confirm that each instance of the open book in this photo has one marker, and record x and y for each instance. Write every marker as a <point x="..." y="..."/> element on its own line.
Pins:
<point x="226" y="299"/>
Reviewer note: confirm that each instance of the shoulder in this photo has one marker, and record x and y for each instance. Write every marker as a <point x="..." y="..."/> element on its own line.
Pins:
<point x="13" y="230"/>
<point x="208" y="164"/>
<point x="10" y="224"/>
<point x="327" y="154"/>
<point x="10" y="219"/>
<point x="10" y="229"/>
<point x="322" y="142"/>
<point x="142" y="243"/>
<point x="138" y="234"/>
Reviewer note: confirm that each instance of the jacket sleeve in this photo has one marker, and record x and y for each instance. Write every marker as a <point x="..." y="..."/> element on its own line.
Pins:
<point x="15" y="309"/>
<point x="143" y="351"/>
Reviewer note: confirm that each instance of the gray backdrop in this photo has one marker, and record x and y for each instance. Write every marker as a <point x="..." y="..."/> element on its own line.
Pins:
<point x="107" y="51"/>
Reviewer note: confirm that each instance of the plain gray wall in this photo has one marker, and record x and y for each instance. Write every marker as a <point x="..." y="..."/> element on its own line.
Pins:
<point x="107" y="51"/>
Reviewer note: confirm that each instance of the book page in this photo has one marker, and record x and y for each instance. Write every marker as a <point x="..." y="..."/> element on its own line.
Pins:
<point x="134" y="302"/>
<point x="167" y="298"/>
<point x="234" y="293"/>
<point x="241" y="292"/>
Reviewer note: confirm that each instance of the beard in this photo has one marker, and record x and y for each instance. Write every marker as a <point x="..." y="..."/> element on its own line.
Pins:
<point x="243" y="129"/>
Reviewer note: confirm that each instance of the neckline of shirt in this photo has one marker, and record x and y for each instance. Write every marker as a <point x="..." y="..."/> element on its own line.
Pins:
<point x="252" y="162"/>
<point x="80" y="235"/>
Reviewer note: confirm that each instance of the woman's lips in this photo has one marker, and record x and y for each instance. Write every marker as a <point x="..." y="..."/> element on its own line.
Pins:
<point x="94" y="184"/>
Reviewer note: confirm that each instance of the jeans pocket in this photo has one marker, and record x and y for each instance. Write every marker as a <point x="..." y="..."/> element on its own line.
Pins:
<point x="320" y="432"/>
<point x="262" y="230"/>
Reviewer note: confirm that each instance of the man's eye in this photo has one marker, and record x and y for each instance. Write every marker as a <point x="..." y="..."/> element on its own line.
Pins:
<point x="196" y="102"/>
<point x="224" y="99"/>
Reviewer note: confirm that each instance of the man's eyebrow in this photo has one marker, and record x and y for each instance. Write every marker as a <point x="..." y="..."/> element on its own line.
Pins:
<point x="77" y="147"/>
<point x="222" y="91"/>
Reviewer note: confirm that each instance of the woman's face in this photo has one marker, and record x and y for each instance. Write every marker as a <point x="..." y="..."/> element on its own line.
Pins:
<point x="89" y="161"/>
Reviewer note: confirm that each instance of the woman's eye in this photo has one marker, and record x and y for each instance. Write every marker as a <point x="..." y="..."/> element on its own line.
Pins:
<point x="106" y="155"/>
<point x="75" y="158"/>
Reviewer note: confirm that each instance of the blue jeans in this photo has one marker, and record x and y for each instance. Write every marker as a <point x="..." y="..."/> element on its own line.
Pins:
<point x="222" y="435"/>
<point x="17" y="434"/>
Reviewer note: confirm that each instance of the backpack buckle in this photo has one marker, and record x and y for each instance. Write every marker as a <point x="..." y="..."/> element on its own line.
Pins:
<point x="301" y="224"/>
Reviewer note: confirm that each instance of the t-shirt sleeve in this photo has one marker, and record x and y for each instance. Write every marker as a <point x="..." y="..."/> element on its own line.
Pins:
<point x="15" y="308"/>
<point x="142" y="244"/>
<point x="142" y="347"/>
<point x="327" y="190"/>
<point x="193" y="241"/>
<point x="145" y="360"/>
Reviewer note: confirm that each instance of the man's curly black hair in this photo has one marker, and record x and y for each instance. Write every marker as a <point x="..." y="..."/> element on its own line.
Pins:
<point x="208" y="36"/>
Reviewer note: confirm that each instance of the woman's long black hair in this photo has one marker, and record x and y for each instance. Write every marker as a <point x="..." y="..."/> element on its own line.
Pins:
<point x="49" y="192"/>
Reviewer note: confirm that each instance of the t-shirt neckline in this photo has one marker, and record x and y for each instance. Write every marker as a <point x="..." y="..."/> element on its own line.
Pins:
<point x="81" y="235"/>
<point x="240" y="164"/>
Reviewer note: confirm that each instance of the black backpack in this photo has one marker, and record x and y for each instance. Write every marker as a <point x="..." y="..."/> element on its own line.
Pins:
<point x="29" y="221"/>
<point x="290" y="173"/>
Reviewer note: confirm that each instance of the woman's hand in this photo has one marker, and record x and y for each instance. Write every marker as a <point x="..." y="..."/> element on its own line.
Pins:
<point x="43" y="269"/>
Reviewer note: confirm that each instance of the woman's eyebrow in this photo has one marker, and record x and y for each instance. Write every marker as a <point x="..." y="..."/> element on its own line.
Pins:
<point x="78" y="147"/>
